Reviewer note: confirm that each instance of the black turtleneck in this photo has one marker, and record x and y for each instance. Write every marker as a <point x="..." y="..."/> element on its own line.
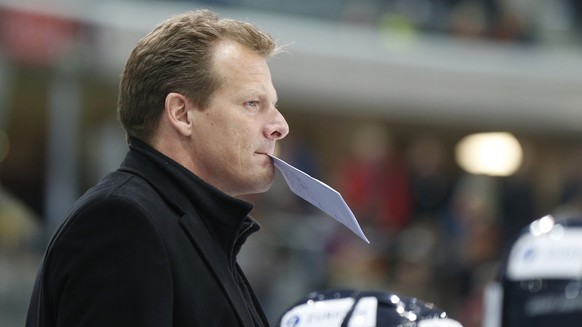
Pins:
<point x="225" y="217"/>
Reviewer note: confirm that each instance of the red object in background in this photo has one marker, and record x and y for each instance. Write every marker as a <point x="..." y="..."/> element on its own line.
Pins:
<point x="35" y="38"/>
<point x="378" y="192"/>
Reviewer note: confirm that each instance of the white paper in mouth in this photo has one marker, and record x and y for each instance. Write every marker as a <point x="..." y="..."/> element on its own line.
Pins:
<point x="320" y="195"/>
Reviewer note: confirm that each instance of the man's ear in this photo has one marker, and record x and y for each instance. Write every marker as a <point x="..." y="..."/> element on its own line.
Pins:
<point x="177" y="109"/>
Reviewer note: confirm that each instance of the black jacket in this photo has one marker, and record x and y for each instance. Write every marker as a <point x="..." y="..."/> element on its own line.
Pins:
<point x="150" y="245"/>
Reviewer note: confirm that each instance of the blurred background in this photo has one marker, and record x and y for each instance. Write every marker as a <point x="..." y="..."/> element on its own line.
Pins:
<point x="447" y="125"/>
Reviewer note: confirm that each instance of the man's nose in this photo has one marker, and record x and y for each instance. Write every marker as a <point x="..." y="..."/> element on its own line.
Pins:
<point x="278" y="127"/>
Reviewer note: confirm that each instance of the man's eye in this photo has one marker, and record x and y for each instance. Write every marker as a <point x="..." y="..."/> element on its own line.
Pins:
<point x="252" y="104"/>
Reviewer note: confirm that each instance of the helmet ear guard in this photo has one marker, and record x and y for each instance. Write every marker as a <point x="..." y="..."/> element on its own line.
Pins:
<point x="539" y="281"/>
<point x="353" y="308"/>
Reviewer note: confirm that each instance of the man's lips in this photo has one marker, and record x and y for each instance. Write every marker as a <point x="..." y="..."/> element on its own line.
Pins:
<point x="266" y="153"/>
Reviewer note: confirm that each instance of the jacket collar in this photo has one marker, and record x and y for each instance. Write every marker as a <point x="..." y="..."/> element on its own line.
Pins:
<point x="225" y="217"/>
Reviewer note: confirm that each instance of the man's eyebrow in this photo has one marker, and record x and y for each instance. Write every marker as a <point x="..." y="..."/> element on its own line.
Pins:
<point x="263" y="96"/>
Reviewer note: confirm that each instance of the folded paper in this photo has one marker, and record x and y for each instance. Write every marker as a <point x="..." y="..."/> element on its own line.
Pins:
<point x="320" y="195"/>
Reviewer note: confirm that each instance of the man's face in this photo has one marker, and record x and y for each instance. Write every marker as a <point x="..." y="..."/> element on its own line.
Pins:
<point x="234" y="135"/>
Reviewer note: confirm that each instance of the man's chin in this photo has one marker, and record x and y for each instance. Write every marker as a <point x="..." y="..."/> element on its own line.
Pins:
<point x="264" y="187"/>
<point x="259" y="184"/>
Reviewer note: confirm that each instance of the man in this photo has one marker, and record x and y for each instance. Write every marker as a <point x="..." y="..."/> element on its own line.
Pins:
<point x="155" y="243"/>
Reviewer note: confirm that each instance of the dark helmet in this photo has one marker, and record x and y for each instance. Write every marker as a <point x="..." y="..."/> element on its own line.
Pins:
<point x="351" y="308"/>
<point x="539" y="282"/>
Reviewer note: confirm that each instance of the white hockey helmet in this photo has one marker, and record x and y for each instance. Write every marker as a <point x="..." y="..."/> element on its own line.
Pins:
<point x="539" y="281"/>
<point x="352" y="308"/>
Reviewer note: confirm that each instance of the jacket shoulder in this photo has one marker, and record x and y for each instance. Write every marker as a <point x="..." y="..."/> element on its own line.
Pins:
<point x="116" y="199"/>
<point x="120" y="188"/>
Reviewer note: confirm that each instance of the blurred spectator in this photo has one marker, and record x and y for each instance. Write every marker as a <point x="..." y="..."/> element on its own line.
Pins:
<point x="475" y="217"/>
<point x="513" y="21"/>
<point x="516" y="198"/>
<point x="516" y="206"/>
<point x="469" y="18"/>
<point x="431" y="182"/>
<point x="374" y="180"/>
<point x="472" y="237"/>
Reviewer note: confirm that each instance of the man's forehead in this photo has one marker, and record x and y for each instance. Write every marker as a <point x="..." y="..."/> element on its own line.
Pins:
<point x="227" y="49"/>
<point x="232" y="57"/>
